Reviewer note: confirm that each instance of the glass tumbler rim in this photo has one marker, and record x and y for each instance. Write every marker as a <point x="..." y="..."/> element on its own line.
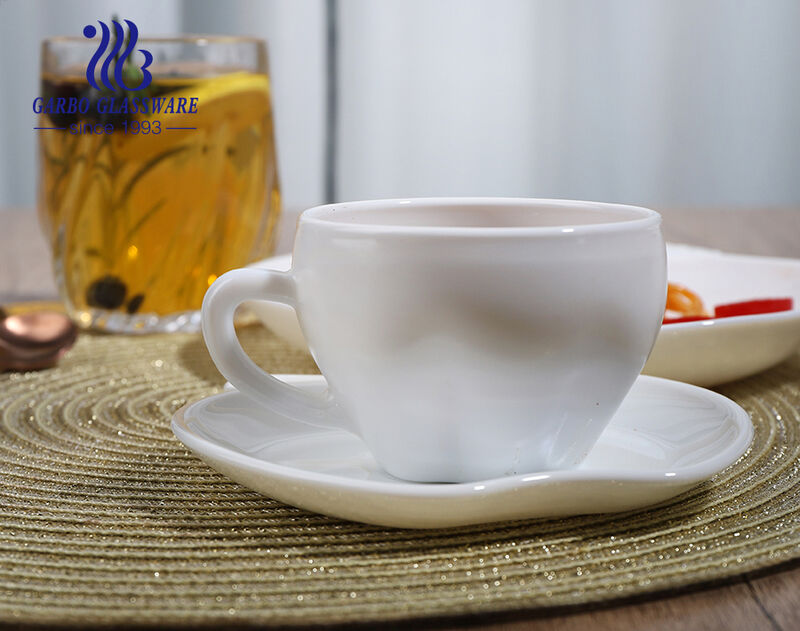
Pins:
<point x="188" y="38"/>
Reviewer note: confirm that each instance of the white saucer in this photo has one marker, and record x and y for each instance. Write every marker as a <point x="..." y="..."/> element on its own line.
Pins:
<point x="705" y="353"/>
<point x="666" y="437"/>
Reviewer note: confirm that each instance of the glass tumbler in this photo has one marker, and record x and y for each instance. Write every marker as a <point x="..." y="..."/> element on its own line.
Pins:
<point x="147" y="194"/>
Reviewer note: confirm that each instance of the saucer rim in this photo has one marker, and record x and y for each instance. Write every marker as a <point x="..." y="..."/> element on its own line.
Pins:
<point x="682" y="476"/>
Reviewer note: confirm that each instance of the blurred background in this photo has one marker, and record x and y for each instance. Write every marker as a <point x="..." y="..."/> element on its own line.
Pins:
<point x="682" y="103"/>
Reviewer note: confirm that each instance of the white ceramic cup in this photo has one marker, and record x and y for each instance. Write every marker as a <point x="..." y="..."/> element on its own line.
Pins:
<point x="462" y="339"/>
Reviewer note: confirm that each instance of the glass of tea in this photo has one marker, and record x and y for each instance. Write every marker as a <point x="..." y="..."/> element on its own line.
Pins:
<point x="157" y="171"/>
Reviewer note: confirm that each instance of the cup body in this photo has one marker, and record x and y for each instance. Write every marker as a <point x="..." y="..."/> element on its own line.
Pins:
<point x="472" y="338"/>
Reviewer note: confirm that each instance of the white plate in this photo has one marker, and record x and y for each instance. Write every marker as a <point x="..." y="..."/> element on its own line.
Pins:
<point x="704" y="353"/>
<point x="710" y="352"/>
<point x="665" y="438"/>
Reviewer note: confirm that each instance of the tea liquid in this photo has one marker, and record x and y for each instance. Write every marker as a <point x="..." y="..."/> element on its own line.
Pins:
<point x="143" y="219"/>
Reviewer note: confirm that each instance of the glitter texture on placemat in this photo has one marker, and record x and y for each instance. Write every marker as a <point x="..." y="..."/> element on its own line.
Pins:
<point x="105" y="518"/>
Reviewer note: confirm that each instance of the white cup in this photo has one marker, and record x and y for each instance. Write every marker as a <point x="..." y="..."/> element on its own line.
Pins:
<point x="461" y="339"/>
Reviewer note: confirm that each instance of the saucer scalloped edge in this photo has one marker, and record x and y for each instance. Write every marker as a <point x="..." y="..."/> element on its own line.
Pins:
<point x="665" y="438"/>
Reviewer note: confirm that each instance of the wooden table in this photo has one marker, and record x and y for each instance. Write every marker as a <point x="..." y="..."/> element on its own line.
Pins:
<point x="767" y="600"/>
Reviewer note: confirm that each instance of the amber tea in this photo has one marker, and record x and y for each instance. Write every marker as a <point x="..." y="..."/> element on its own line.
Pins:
<point x="148" y="197"/>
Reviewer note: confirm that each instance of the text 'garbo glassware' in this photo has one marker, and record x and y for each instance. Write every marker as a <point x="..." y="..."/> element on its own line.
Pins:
<point x="148" y="193"/>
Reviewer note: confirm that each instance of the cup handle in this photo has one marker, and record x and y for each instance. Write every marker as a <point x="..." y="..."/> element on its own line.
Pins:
<point x="219" y="305"/>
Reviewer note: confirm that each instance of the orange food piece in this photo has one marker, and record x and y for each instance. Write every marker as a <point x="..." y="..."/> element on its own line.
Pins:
<point x="683" y="302"/>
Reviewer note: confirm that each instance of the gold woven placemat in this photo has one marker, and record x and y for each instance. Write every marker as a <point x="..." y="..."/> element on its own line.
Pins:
<point x="105" y="518"/>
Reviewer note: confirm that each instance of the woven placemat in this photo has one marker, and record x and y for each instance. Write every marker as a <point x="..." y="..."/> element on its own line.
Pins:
<point x="105" y="518"/>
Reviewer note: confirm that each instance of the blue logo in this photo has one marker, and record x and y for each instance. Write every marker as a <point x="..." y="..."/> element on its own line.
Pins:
<point x="89" y="31"/>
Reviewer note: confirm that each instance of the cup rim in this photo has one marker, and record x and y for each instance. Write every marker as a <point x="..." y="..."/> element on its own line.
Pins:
<point x="321" y="216"/>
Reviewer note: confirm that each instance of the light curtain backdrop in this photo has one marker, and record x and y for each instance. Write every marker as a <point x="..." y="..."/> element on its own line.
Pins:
<point x="662" y="102"/>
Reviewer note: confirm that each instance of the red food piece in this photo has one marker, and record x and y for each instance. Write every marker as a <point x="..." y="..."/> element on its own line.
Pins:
<point x="693" y="318"/>
<point x="753" y="307"/>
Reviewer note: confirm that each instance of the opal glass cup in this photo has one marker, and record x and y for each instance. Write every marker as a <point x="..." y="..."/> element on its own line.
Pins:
<point x="461" y="338"/>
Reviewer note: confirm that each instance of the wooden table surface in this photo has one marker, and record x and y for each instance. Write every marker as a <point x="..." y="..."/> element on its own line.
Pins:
<point x="766" y="600"/>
